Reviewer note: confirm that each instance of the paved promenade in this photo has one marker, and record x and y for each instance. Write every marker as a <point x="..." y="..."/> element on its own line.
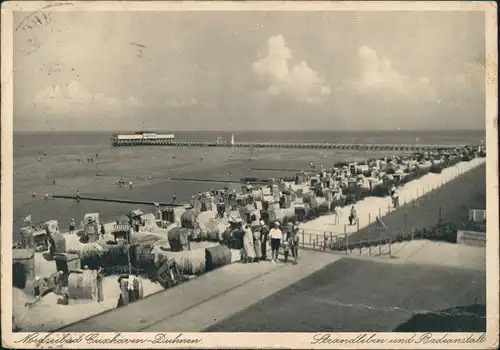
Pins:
<point x="205" y="300"/>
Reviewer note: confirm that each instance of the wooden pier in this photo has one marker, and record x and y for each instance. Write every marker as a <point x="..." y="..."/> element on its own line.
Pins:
<point x="333" y="146"/>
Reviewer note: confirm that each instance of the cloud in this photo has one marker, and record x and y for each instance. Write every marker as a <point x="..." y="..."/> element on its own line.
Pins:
<point x="379" y="77"/>
<point x="75" y="97"/>
<point x="282" y="77"/>
<point x="173" y="103"/>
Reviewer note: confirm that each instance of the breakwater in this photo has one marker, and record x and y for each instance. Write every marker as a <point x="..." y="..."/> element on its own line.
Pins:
<point x="114" y="200"/>
<point x="338" y="146"/>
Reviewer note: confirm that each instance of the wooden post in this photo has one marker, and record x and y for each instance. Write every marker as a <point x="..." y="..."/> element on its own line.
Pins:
<point x="360" y="247"/>
<point x="303" y="239"/>
<point x="357" y="224"/>
<point x="369" y="218"/>
<point x="331" y="240"/>
<point x="379" y="212"/>
<point x="406" y="217"/>
<point x="388" y="208"/>
<point x="379" y="244"/>
<point x="412" y="233"/>
<point x="189" y="244"/>
<point x="369" y="249"/>
<point x="417" y="192"/>
<point x="390" y="247"/>
<point x="346" y="243"/>
<point x="310" y="239"/>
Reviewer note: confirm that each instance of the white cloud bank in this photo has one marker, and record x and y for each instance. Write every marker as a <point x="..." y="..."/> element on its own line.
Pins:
<point x="379" y="77"/>
<point x="282" y="77"/>
<point x="76" y="97"/>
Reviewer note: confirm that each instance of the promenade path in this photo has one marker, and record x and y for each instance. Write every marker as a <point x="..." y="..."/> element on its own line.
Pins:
<point x="206" y="299"/>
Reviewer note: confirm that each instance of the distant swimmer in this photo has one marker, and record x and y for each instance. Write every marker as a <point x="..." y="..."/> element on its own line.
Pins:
<point x="33" y="194"/>
<point x="174" y="198"/>
<point x="130" y="184"/>
<point x="46" y="196"/>
<point x="78" y="159"/>
<point x="96" y="155"/>
<point x="77" y="196"/>
<point x="121" y="182"/>
<point x="39" y="159"/>
<point x="201" y="159"/>
<point x="53" y="182"/>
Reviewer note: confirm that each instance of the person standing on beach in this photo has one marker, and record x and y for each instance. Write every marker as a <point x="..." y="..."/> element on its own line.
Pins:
<point x="72" y="226"/>
<point x="248" y="252"/>
<point x="337" y="212"/>
<point x="353" y="216"/>
<point x="257" y="242"/>
<point x="294" y="243"/>
<point x="395" y="199"/>
<point x="174" y="198"/>
<point x="264" y="236"/>
<point x="77" y="196"/>
<point x="276" y="237"/>
<point x="393" y="190"/>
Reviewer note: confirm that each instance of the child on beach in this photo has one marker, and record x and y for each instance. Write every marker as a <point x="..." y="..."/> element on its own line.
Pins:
<point x="72" y="226"/>
<point x="276" y="237"/>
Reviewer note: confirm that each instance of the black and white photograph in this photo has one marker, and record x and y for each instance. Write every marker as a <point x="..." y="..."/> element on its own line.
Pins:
<point x="192" y="169"/>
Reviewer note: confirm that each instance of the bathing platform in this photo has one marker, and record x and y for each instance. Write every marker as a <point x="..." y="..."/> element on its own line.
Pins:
<point x="337" y="146"/>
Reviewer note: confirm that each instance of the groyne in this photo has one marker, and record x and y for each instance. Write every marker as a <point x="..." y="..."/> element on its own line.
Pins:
<point x="115" y="200"/>
<point x="337" y="146"/>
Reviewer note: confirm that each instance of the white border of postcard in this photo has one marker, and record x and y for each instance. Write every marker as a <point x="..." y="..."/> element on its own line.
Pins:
<point x="258" y="340"/>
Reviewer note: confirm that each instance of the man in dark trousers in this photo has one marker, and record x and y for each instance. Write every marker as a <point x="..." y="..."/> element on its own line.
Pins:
<point x="264" y="238"/>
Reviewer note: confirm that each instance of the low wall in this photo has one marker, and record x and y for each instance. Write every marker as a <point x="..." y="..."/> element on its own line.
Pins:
<point x="471" y="238"/>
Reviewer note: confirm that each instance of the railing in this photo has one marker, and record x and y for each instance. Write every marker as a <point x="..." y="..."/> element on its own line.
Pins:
<point x="340" y="243"/>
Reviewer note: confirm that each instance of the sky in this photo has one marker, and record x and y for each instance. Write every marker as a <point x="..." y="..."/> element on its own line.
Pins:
<point x="261" y="70"/>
